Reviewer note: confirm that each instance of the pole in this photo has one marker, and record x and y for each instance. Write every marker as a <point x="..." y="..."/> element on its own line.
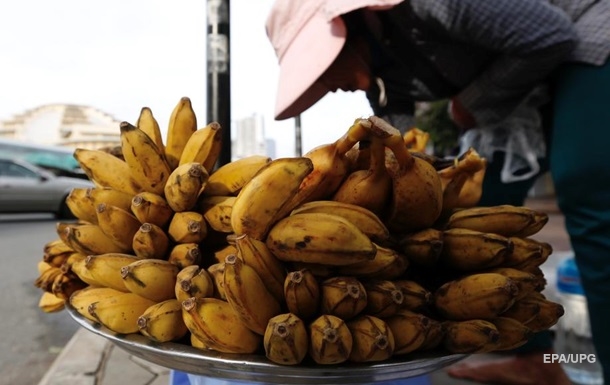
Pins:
<point x="218" y="71"/>
<point x="297" y="136"/>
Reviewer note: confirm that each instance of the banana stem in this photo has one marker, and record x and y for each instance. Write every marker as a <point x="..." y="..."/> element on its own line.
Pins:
<point x="392" y="139"/>
<point x="357" y="132"/>
<point x="377" y="157"/>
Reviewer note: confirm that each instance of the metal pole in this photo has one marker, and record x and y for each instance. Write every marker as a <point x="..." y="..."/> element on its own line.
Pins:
<point x="297" y="136"/>
<point x="219" y="74"/>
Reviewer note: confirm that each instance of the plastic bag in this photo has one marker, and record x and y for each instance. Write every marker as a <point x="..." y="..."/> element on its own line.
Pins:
<point x="519" y="136"/>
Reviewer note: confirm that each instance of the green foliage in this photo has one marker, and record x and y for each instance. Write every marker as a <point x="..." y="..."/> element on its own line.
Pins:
<point x="434" y="118"/>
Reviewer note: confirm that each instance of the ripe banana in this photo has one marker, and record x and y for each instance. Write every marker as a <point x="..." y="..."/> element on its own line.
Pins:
<point x="525" y="251"/>
<point x="184" y="185"/>
<point x="81" y="204"/>
<point x="80" y="269"/>
<point x="422" y="248"/>
<point x="120" y="312"/>
<point x="111" y="197"/>
<point x="470" y="336"/>
<point x="163" y="322"/>
<point x="434" y="336"/>
<point x="388" y="264"/>
<point x="144" y="158"/>
<point x="106" y="170"/>
<point x="118" y="224"/>
<point x="549" y="314"/>
<point x="217" y="212"/>
<point x="512" y="334"/>
<point x="266" y="197"/>
<point x="203" y="146"/>
<point x="248" y="295"/>
<point x="414" y="296"/>
<point x="367" y="221"/>
<point x="409" y="330"/>
<point x="152" y="208"/>
<point x="187" y="227"/>
<point x="229" y="178"/>
<point x="49" y="303"/>
<point x="505" y="220"/>
<point x="182" y="124"/>
<point x="457" y="191"/>
<point x="286" y="341"/>
<point x="373" y="339"/>
<point x="193" y="281"/>
<point x="319" y="238"/>
<point x="524" y="310"/>
<point x="150" y="242"/>
<point x="217" y="271"/>
<point x="469" y="250"/>
<point x="154" y="279"/>
<point x="302" y="294"/>
<point x="148" y="124"/>
<point x="476" y="296"/>
<point x="218" y="326"/>
<point x="65" y="284"/>
<point x="526" y="282"/>
<point x="185" y="254"/>
<point x="330" y="340"/>
<point x="106" y="269"/>
<point x="344" y="297"/>
<point x="383" y="298"/>
<point x="90" y="239"/>
<point x="81" y="299"/>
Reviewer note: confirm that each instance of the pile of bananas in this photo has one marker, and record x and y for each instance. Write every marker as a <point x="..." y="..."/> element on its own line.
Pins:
<point x="361" y="250"/>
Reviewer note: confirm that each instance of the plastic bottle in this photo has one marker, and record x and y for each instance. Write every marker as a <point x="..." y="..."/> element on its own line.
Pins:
<point x="573" y="340"/>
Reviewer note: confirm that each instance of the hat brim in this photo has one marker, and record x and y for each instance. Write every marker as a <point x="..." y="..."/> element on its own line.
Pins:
<point x="306" y="59"/>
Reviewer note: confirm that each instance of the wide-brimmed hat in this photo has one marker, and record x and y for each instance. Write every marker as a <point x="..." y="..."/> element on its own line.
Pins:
<point x="307" y="36"/>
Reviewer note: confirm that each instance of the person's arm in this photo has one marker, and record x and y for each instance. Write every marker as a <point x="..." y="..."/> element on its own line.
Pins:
<point x="531" y="38"/>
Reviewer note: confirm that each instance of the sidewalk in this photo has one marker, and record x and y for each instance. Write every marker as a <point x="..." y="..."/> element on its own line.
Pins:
<point x="89" y="359"/>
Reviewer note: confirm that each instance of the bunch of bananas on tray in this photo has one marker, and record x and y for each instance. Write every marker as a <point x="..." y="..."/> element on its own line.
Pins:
<point x="361" y="250"/>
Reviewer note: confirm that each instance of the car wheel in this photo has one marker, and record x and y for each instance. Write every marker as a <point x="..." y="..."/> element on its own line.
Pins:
<point x="64" y="211"/>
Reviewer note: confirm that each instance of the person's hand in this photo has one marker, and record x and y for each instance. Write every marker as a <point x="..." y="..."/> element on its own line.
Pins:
<point x="460" y="115"/>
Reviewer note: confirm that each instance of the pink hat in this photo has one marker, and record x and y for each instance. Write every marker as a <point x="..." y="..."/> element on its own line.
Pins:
<point x="307" y="36"/>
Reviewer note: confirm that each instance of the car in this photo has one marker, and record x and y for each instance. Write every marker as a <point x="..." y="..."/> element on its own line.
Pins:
<point x="26" y="188"/>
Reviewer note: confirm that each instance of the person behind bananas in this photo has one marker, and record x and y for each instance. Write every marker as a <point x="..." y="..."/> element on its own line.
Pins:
<point x="488" y="59"/>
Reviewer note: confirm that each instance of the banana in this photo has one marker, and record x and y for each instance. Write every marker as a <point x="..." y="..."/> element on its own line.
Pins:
<point x="73" y="258"/>
<point x="415" y="139"/>
<point x="150" y="242"/>
<point x="468" y="250"/>
<point x="56" y="246"/>
<point x="80" y="269"/>
<point x="524" y="310"/>
<point x="112" y="197"/>
<point x="255" y="254"/>
<point x="286" y="341"/>
<point x="58" y="254"/>
<point x="383" y="298"/>
<point x="184" y="186"/>
<point x="216" y="271"/>
<point x="49" y="303"/>
<point x="549" y="314"/>
<point x="182" y="124"/>
<point x="505" y="220"/>
<point x="367" y="221"/>
<point x="197" y="343"/>
<point x="81" y="204"/>
<point x="388" y="264"/>
<point x="330" y="340"/>
<point x="217" y="212"/>
<point x="90" y="239"/>
<point x="319" y="238"/>
<point x="248" y="295"/>
<point x="229" y="178"/>
<point x="81" y="299"/>
<point x="344" y="297"/>
<point x="434" y="336"/>
<point x="187" y="227"/>
<point x="118" y="224"/>
<point x="163" y="322"/>
<point x="220" y="254"/>
<point x="218" y="326"/>
<point x="526" y="282"/>
<point x="65" y="284"/>
<point x="106" y="170"/>
<point x="266" y="198"/>
<point x="185" y="254"/>
<point x="372" y="339"/>
<point x="457" y="191"/>
<point x="120" y="312"/>
<point x="415" y="297"/>
<point x="526" y="251"/>
<point x="106" y="269"/>
<point x="422" y="248"/>
<point x="152" y="208"/>
<point x="469" y="336"/>
<point x="193" y="281"/>
<point x="317" y="269"/>
<point x="154" y="279"/>
<point x="512" y="334"/>
<point x="145" y="160"/>
<point x="149" y="125"/>
<point x="476" y="296"/>
<point x="302" y="294"/>
<point x="203" y="146"/>
<point x="409" y="330"/>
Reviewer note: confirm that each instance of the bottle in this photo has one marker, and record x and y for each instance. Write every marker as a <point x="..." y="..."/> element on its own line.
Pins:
<point x="573" y="340"/>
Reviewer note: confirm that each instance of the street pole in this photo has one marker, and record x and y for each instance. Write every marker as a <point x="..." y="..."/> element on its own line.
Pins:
<point x="218" y="72"/>
<point x="297" y="135"/>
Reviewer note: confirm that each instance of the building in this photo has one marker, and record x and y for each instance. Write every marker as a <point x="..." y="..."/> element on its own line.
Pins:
<point x="249" y="138"/>
<point x="64" y="125"/>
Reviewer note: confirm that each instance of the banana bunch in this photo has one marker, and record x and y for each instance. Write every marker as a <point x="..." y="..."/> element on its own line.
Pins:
<point x="361" y="250"/>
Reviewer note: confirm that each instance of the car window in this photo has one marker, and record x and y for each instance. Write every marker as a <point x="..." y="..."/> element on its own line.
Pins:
<point x="15" y="170"/>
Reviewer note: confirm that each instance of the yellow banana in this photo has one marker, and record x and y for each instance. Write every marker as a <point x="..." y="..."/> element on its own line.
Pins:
<point x="149" y="125"/>
<point x="65" y="284"/>
<point x="286" y="341"/>
<point x="145" y="160"/>
<point x="302" y="294"/>
<point x="111" y="197"/>
<point x="203" y="146"/>
<point x="330" y="340"/>
<point x="468" y="250"/>
<point x="434" y="336"/>
<point x="152" y="208"/>
<point x="80" y="269"/>
<point x="416" y="139"/>
<point x="106" y="269"/>
<point x="185" y="254"/>
<point x="457" y="181"/>
<point x="193" y="281"/>
<point x="512" y="334"/>
<point x="73" y="258"/>
<point x="476" y="296"/>
<point x="388" y="264"/>
<point x="182" y="124"/>
<point x="220" y="254"/>
<point x="526" y="282"/>
<point x="549" y="314"/>
<point x="525" y="251"/>
<point x="265" y="199"/>
<point x="422" y="248"/>
<point x="187" y="227"/>
<point x="505" y="220"/>
<point x="154" y="279"/>
<point x="81" y="204"/>
<point x="218" y="326"/>
<point x="217" y="271"/>
<point x="184" y="186"/>
<point x="248" y="295"/>
<point x="229" y="178"/>
<point x="197" y="343"/>
<point x="56" y="246"/>
<point x="372" y="339"/>
<point x="90" y="239"/>
<point x="163" y="322"/>
<point x="150" y="242"/>
<point x="409" y="330"/>
<point x="118" y="224"/>
<point x="469" y="336"/>
<point x="81" y="299"/>
<point x="415" y="296"/>
<point x="120" y="312"/>
<point x="106" y="170"/>
<point x="217" y="212"/>
<point x="523" y="310"/>
<point x="57" y="255"/>
<point x="319" y="238"/>
<point x="50" y="303"/>
<point x="367" y="221"/>
<point x="344" y="297"/>
<point x="383" y="298"/>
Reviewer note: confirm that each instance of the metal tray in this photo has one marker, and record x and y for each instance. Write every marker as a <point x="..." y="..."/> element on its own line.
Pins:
<point x="257" y="368"/>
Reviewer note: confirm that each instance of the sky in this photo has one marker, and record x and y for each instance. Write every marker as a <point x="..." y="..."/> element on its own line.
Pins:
<point x="121" y="55"/>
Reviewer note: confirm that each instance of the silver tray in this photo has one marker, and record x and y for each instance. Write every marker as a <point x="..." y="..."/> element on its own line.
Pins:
<point x="256" y="368"/>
